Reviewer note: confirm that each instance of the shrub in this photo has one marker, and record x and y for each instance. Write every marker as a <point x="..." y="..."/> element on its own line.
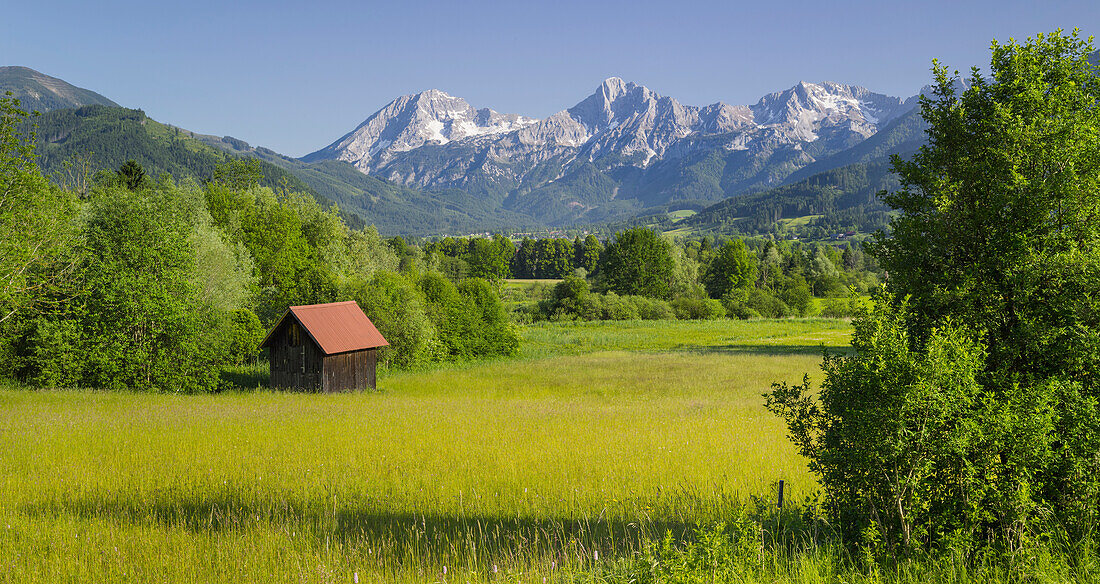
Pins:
<point x="397" y="309"/>
<point x="697" y="309"/>
<point x="652" y="308"/>
<point x="736" y="304"/>
<point x="493" y="334"/>
<point x="767" y="305"/>
<point x="617" y="307"/>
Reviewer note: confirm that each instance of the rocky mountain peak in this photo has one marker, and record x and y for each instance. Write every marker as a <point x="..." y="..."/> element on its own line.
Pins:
<point x="621" y="127"/>
<point x="411" y="121"/>
<point x="614" y="87"/>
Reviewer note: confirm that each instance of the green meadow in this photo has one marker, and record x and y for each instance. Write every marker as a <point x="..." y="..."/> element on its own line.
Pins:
<point x="598" y="438"/>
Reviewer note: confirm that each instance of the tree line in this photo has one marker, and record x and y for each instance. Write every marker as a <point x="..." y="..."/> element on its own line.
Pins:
<point x="693" y="278"/>
<point x="153" y="284"/>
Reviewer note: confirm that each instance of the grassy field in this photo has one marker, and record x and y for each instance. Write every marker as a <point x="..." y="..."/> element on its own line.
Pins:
<point x="597" y="438"/>
<point x="680" y="215"/>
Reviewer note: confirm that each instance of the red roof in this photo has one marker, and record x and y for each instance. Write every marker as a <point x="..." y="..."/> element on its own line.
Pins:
<point x="337" y="327"/>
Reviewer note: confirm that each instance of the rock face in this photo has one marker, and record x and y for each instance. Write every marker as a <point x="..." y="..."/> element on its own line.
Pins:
<point x="621" y="149"/>
<point x="39" y="92"/>
<point x="411" y="121"/>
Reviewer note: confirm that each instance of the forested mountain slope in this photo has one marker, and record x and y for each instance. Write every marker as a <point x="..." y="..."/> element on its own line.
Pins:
<point x="40" y="92"/>
<point x="96" y="137"/>
<point x="393" y="208"/>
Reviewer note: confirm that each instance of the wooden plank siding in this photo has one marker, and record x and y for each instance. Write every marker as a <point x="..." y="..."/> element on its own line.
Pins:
<point x="295" y="367"/>
<point x="350" y="371"/>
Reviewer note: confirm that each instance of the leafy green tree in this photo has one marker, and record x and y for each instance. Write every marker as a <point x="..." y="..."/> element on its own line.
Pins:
<point x="37" y="231"/>
<point x="561" y="262"/>
<point x="569" y="300"/>
<point x="588" y="253"/>
<point x="367" y="253"/>
<point x="245" y="335"/>
<point x="290" y="270"/>
<point x="398" y="310"/>
<point x="824" y="276"/>
<point x="145" y="326"/>
<point x="452" y="315"/>
<point x="997" y="214"/>
<point x="493" y="334"/>
<point x="490" y="259"/>
<point x="891" y="434"/>
<point x="638" y="262"/>
<point x="734" y="267"/>
<point x="770" y="265"/>
<point x="997" y="229"/>
<point x="978" y="386"/>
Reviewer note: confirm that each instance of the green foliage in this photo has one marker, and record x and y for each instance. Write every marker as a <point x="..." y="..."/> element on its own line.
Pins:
<point x="239" y="174"/>
<point x="36" y="220"/>
<point x="892" y="433"/>
<point x="245" y="335"/>
<point x="398" y="311"/>
<point x="571" y="299"/>
<point x="638" y="262"/>
<point x="146" y="328"/>
<point x="131" y="175"/>
<point x="765" y="304"/>
<point x="490" y="259"/>
<point x="968" y="416"/>
<point x="687" y="308"/>
<point x="223" y="274"/>
<point x="282" y="237"/>
<point x="996" y="214"/>
<point x="734" y="267"/>
<point x="544" y="258"/>
<point x="54" y="354"/>
<point x="997" y="229"/>
<point x="493" y="334"/>
<point x="108" y="137"/>
<point x="470" y="318"/>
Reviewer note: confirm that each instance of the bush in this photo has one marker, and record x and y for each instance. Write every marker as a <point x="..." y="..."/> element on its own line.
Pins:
<point x="397" y="310"/>
<point x="56" y="354"/>
<point x="493" y="334"/>
<point x="890" y="435"/>
<point x="617" y="307"/>
<point x="652" y="308"/>
<point x="736" y="304"/>
<point x="697" y="309"/>
<point x="766" y="305"/>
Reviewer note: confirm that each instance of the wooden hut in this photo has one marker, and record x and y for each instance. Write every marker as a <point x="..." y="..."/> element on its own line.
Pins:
<point x="324" y="347"/>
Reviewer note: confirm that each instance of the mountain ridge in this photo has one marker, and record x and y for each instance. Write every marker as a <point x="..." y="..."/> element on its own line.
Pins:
<point x="40" y="92"/>
<point x="644" y="149"/>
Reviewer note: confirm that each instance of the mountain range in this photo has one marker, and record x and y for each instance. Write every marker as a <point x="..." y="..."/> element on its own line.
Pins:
<point x="623" y="150"/>
<point x="431" y="163"/>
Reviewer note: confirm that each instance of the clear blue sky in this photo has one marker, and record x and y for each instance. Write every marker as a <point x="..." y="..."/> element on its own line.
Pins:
<point x="296" y="76"/>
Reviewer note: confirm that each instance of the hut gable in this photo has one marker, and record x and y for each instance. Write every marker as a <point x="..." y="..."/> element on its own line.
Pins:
<point x="327" y="347"/>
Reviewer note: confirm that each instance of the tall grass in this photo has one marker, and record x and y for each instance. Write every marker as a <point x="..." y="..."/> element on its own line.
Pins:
<point x="570" y="463"/>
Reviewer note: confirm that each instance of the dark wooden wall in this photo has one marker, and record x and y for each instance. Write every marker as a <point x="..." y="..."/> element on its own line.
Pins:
<point x="303" y="365"/>
<point x="350" y="371"/>
<point x="295" y="367"/>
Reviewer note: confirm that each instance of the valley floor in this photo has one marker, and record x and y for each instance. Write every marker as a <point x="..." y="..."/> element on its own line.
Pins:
<point x="564" y="464"/>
